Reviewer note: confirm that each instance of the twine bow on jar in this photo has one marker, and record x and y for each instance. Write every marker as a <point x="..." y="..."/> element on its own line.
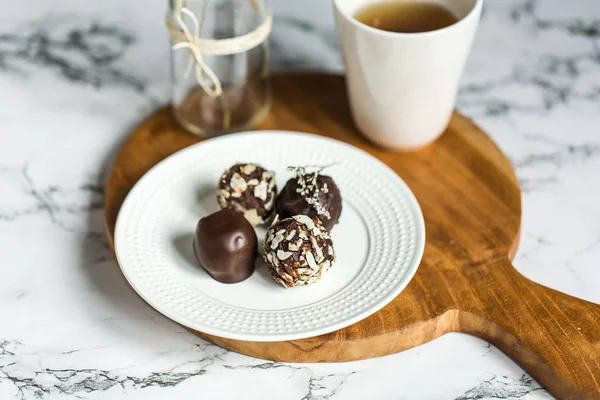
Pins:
<point x="186" y="38"/>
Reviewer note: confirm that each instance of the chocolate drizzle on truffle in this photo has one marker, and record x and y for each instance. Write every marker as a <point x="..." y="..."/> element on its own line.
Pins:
<point x="249" y="189"/>
<point x="312" y="194"/>
<point x="298" y="251"/>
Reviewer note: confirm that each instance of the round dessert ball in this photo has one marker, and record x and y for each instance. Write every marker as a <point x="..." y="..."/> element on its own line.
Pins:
<point x="249" y="189"/>
<point x="313" y="195"/>
<point x="225" y="245"/>
<point x="298" y="251"/>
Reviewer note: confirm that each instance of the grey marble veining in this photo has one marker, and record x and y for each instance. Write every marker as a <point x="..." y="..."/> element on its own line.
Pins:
<point x="75" y="77"/>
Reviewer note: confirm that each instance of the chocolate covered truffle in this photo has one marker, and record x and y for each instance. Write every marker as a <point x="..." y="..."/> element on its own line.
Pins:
<point x="298" y="251"/>
<point x="225" y="245"/>
<point x="249" y="189"/>
<point x="310" y="194"/>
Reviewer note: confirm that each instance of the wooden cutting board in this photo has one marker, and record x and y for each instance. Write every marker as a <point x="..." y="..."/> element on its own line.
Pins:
<point x="466" y="283"/>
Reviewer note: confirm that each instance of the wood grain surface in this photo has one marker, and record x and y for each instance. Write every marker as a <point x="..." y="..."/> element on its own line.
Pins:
<point x="466" y="283"/>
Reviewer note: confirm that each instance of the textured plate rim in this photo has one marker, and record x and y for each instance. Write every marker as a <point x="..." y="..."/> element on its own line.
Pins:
<point x="299" y="334"/>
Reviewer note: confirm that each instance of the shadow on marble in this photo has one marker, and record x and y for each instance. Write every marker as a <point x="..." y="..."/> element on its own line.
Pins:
<point x="114" y="296"/>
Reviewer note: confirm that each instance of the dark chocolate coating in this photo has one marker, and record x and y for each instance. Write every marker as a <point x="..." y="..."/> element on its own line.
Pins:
<point x="225" y="245"/>
<point x="290" y="202"/>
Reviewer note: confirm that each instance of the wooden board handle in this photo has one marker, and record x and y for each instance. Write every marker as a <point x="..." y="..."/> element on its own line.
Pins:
<point x="524" y="320"/>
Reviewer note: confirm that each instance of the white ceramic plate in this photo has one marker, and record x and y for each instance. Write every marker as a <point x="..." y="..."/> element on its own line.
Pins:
<point x="379" y="240"/>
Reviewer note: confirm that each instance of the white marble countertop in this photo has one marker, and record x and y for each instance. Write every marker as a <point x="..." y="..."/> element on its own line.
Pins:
<point x="76" y="77"/>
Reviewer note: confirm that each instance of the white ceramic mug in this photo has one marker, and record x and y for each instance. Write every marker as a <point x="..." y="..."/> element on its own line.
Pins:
<point x="402" y="86"/>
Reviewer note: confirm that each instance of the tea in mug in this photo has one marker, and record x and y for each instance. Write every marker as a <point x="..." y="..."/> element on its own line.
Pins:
<point x="406" y="16"/>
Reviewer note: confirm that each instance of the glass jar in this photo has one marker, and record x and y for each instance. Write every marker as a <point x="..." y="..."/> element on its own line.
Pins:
<point x="219" y="85"/>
